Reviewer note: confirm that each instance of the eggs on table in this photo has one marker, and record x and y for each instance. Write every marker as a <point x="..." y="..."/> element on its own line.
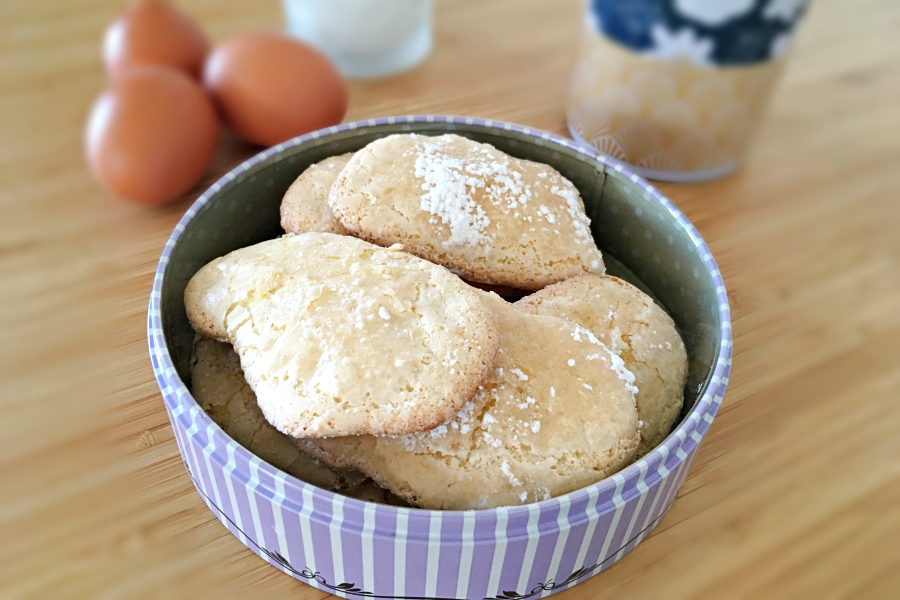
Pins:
<point x="154" y="33"/>
<point x="270" y="88"/>
<point x="152" y="135"/>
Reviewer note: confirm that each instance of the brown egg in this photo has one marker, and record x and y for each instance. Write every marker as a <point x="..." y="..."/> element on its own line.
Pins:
<point x="151" y="136"/>
<point x="270" y="88"/>
<point x="154" y="33"/>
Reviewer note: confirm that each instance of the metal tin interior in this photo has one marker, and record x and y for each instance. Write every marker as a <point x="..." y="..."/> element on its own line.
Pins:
<point x="656" y="255"/>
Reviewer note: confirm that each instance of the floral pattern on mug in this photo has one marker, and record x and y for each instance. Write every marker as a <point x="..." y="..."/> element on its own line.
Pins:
<point x="678" y="86"/>
<point x="719" y="32"/>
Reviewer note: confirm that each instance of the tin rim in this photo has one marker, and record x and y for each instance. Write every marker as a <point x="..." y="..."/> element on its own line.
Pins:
<point x="680" y="442"/>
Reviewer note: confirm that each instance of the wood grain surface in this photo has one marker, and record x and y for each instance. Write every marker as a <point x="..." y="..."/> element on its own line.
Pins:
<point x="795" y="492"/>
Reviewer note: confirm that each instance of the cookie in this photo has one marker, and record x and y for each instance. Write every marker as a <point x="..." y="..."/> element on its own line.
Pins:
<point x="305" y="204"/>
<point x="557" y="414"/>
<point x="218" y="386"/>
<point x="487" y="216"/>
<point x="337" y="336"/>
<point x="638" y="330"/>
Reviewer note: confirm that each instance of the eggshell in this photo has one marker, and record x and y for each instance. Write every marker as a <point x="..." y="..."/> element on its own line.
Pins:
<point x="151" y="136"/>
<point x="154" y="33"/>
<point x="270" y="88"/>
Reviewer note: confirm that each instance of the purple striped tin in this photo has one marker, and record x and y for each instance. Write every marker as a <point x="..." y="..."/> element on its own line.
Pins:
<point x="358" y="549"/>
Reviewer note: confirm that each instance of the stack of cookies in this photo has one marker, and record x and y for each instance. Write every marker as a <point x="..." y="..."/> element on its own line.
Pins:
<point x="367" y="351"/>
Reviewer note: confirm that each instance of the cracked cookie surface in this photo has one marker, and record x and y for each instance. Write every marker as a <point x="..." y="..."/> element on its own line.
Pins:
<point x="487" y="216"/>
<point x="636" y="329"/>
<point x="556" y="414"/>
<point x="337" y="336"/>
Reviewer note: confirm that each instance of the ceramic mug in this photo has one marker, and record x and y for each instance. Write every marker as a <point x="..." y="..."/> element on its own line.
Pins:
<point x="677" y="88"/>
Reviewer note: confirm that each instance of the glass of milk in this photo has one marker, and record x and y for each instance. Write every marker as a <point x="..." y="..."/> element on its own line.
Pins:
<point x="364" y="38"/>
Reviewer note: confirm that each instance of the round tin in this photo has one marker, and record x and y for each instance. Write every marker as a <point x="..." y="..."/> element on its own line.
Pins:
<point x="358" y="549"/>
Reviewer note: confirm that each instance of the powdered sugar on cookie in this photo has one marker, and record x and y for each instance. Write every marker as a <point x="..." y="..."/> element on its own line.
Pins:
<point x="448" y="196"/>
<point x="543" y="442"/>
<point x="485" y="215"/>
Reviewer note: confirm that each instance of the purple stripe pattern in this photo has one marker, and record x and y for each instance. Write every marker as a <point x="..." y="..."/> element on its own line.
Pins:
<point x="356" y="549"/>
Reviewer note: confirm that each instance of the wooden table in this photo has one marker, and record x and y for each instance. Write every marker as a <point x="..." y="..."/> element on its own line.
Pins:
<point x="796" y="489"/>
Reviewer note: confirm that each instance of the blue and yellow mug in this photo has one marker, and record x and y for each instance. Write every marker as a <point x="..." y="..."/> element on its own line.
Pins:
<point x="677" y="87"/>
